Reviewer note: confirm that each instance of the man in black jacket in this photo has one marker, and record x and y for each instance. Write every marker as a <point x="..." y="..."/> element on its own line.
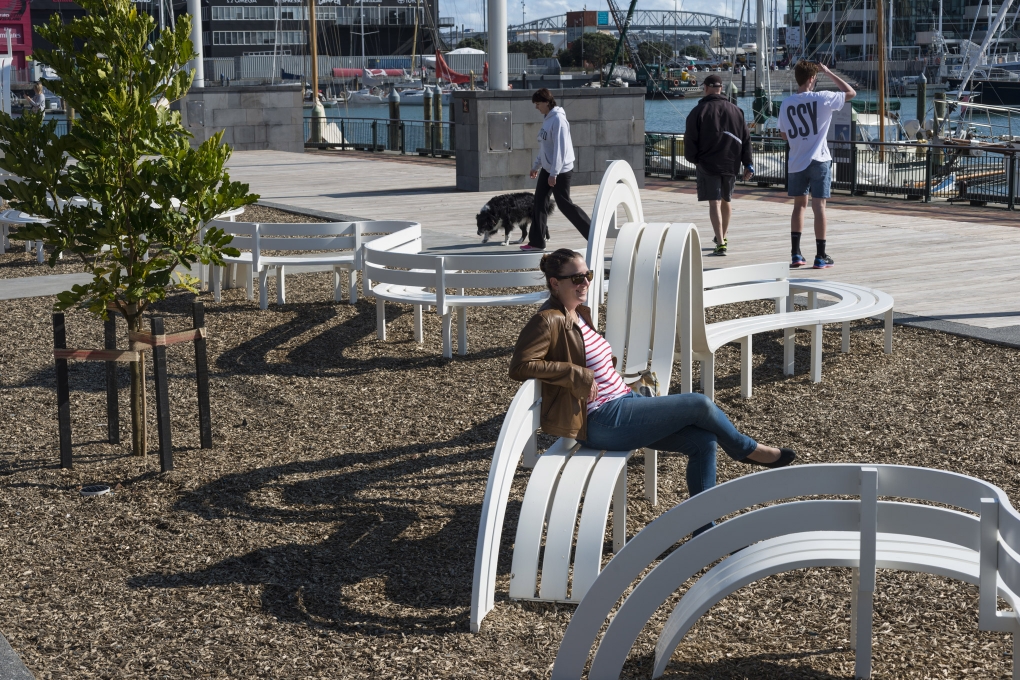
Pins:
<point x="717" y="141"/>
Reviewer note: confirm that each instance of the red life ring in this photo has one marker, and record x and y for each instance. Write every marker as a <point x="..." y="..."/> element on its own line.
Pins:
<point x="676" y="83"/>
<point x="694" y="82"/>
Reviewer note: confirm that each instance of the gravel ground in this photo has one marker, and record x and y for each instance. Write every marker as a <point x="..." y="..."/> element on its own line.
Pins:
<point x="330" y="532"/>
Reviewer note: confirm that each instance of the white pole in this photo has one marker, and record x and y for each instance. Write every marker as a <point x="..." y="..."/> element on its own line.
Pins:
<point x="195" y="10"/>
<point x="498" y="67"/>
<point x="832" y="35"/>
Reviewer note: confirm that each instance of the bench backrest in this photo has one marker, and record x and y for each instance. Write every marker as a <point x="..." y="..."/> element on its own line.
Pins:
<point x="493" y="271"/>
<point x="619" y="190"/>
<point x="245" y="234"/>
<point x="997" y="527"/>
<point x="314" y="236"/>
<point x="733" y="284"/>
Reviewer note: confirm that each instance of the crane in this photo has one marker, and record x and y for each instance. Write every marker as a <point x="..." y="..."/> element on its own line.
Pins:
<point x="624" y="39"/>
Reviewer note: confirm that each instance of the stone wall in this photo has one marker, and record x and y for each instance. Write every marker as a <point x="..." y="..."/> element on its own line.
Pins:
<point x="606" y="124"/>
<point x="251" y="116"/>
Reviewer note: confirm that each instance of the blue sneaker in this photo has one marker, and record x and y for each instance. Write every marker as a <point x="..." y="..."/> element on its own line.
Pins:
<point x="798" y="261"/>
<point x="823" y="262"/>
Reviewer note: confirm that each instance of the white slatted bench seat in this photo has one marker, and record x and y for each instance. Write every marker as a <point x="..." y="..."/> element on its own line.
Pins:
<point x="977" y="546"/>
<point x="769" y="281"/>
<point x="333" y="244"/>
<point x="572" y="488"/>
<point x="422" y="280"/>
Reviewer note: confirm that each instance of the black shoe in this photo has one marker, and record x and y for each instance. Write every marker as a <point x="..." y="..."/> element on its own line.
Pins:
<point x="786" y="456"/>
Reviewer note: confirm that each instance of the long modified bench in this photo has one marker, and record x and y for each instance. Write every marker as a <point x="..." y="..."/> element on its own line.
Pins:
<point x="329" y="244"/>
<point x="979" y="546"/>
<point x="770" y="281"/>
<point x="395" y="270"/>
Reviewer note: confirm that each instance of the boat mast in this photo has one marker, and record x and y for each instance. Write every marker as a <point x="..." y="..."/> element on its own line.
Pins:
<point x="313" y="38"/>
<point x="362" y="33"/>
<point x="880" y="46"/>
<point x="992" y="29"/>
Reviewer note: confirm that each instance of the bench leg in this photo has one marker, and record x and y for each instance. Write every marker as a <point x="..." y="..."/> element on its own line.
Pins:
<point x="745" y="367"/>
<point x="380" y="318"/>
<point x="789" y="349"/>
<point x="337" y="293"/>
<point x="228" y="281"/>
<point x="846" y="337"/>
<point x="708" y="376"/>
<point x="264" y="288"/>
<point x="816" y="353"/>
<point x="652" y="476"/>
<point x="215" y="273"/>
<point x="419" y="334"/>
<point x="40" y="252"/>
<point x="447" y="332"/>
<point x="854" y="585"/>
<point x="620" y="511"/>
<point x="352" y="286"/>
<point x="888" y="331"/>
<point x="462" y="331"/>
<point x="249" y="281"/>
<point x="861" y="629"/>
<point x="281" y="290"/>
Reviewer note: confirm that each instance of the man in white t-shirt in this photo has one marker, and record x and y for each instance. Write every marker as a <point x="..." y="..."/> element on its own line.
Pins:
<point x="804" y="123"/>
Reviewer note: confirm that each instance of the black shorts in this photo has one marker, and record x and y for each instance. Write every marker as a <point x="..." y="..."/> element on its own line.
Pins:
<point x="715" y="187"/>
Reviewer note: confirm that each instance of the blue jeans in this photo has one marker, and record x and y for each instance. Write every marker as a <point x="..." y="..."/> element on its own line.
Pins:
<point x="690" y="424"/>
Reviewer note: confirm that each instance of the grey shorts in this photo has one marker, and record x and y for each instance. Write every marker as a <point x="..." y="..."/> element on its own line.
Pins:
<point x="715" y="187"/>
<point x="816" y="178"/>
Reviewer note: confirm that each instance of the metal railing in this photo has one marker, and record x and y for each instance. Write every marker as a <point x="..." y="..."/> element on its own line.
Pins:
<point x="422" y="137"/>
<point x="902" y="169"/>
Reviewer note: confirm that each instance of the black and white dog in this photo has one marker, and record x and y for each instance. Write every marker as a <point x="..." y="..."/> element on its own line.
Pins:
<point x="510" y="211"/>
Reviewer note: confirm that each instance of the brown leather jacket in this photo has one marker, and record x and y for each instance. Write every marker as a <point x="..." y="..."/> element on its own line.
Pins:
<point x="551" y="349"/>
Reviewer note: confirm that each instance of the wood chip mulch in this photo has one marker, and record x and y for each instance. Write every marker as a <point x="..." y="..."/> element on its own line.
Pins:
<point x="330" y="532"/>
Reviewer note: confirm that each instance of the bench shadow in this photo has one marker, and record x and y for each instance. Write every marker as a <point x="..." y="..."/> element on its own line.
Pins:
<point x="742" y="667"/>
<point x="325" y="352"/>
<point x="378" y="540"/>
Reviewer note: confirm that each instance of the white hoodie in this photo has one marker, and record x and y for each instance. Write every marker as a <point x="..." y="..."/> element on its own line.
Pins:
<point x="555" y="149"/>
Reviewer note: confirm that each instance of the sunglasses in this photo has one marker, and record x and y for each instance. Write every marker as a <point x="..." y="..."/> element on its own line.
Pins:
<point x="578" y="279"/>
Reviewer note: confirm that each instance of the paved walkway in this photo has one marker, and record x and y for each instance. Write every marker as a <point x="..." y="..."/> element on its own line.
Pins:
<point x="954" y="268"/>
<point x="948" y="265"/>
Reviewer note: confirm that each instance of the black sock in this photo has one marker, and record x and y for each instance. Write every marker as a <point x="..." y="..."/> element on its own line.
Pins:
<point x="795" y="242"/>
<point x="820" y="247"/>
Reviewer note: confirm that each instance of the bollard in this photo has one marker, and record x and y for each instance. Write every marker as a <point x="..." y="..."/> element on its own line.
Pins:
<point x="437" y="116"/>
<point x="394" y="126"/>
<point x="472" y="79"/>
<point x="427" y="99"/>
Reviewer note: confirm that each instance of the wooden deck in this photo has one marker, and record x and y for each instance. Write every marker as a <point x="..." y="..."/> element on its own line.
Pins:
<point x="950" y="263"/>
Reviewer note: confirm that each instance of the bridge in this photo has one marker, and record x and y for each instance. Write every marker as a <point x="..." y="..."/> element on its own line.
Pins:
<point x="650" y="20"/>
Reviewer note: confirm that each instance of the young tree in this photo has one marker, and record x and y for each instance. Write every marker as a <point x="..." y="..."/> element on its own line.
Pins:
<point x="141" y="192"/>
<point x="598" y="49"/>
<point x="475" y="43"/>
<point x="696" y="51"/>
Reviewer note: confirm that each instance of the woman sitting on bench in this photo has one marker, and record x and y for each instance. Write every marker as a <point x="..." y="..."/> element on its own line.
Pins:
<point x="584" y="398"/>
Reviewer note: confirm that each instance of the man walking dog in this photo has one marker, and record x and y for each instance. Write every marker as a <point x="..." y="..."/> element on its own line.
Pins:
<point x="804" y="121"/>
<point x="717" y="141"/>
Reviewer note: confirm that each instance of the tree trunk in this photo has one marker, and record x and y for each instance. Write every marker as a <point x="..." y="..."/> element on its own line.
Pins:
<point x="137" y="389"/>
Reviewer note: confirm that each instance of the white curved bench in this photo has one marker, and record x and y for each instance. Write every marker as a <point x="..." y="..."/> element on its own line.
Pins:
<point x="395" y="271"/>
<point x="574" y="487"/>
<point x="864" y="534"/>
<point x="769" y="281"/>
<point x="334" y="244"/>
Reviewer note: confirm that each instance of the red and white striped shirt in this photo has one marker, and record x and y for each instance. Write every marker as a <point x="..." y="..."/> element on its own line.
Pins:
<point x="598" y="356"/>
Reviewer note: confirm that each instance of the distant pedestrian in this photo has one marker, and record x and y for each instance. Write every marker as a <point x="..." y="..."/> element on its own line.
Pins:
<point x="717" y="141"/>
<point x="36" y="102"/>
<point x="804" y="123"/>
<point x="553" y="167"/>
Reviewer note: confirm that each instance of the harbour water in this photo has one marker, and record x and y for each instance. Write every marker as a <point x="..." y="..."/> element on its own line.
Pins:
<point x="663" y="115"/>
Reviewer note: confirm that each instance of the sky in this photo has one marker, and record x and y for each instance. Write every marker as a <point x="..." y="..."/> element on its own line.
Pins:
<point x="469" y="12"/>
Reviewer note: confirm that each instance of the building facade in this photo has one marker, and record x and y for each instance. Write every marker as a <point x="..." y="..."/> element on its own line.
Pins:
<point x="233" y="28"/>
<point x="914" y="27"/>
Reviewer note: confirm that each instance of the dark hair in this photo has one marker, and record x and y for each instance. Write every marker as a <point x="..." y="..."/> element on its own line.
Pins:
<point x="544" y="95"/>
<point x="553" y="263"/>
<point x="804" y="71"/>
